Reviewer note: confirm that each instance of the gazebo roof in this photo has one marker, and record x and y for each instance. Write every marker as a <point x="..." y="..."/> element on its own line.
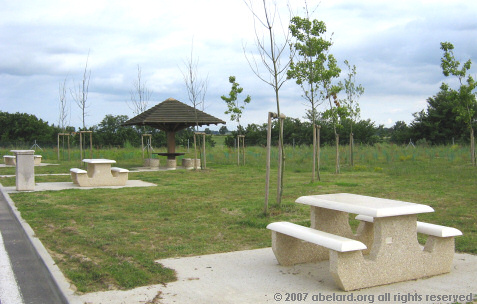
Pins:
<point x="172" y="115"/>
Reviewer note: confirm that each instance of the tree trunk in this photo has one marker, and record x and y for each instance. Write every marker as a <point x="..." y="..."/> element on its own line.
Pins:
<point x="195" y="153"/>
<point x="238" y="150"/>
<point x="351" y="148"/>
<point x="318" y="151"/>
<point x="314" y="154"/>
<point x="472" y="146"/>
<point x="337" y="154"/>
<point x="267" y="178"/>
<point x="280" y="162"/>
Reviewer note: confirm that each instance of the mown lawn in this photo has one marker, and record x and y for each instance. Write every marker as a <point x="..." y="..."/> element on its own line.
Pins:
<point x="109" y="238"/>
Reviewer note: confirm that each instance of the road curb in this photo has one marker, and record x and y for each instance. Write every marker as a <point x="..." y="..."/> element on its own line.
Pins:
<point x="65" y="292"/>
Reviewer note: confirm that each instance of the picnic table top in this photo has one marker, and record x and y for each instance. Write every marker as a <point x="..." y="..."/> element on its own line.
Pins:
<point x="99" y="161"/>
<point x="365" y="205"/>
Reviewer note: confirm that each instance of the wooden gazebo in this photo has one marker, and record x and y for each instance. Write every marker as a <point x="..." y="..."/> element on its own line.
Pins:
<point x="172" y="116"/>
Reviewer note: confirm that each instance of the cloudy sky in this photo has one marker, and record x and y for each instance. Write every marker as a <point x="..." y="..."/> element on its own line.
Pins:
<point x="394" y="45"/>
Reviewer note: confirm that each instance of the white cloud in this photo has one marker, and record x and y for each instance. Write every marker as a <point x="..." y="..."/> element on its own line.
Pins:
<point x="395" y="46"/>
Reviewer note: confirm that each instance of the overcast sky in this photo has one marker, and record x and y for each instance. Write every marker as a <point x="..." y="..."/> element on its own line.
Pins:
<point x="395" y="46"/>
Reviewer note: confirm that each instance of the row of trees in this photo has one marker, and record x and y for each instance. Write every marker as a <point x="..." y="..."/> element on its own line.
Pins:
<point x="25" y="129"/>
<point x="298" y="133"/>
<point x="437" y="125"/>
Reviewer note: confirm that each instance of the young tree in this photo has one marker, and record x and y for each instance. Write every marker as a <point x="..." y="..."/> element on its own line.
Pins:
<point x="353" y="93"/>
<point x="63" y="106"/>
<point x="270" y="53"/>
<point x="196" y="89"/>
<point x="308" y="65"/>
<point x="80" y="95"/>
<point x="235" y="110"/>
<point x="464" y="96"/>
<point x="140" y="94"/>
<point x="233" y="105"/>
<point x="196" y="86"/>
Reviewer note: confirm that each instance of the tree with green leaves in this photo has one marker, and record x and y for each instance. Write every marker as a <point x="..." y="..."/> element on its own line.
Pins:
<point x="353" y="93"/>
<point x="329" y="92"/>
<point x="234" y="108"/>
<point x="464" y="96"/>
<point x="308" y="64"/>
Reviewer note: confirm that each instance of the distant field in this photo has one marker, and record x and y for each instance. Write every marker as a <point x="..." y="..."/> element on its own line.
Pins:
<point x="106" y="238"/>
<point x="219" y="140"/>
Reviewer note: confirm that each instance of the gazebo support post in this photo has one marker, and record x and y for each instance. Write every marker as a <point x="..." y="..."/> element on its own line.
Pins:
<point x="203" y="149"/>
<point x="171" y="142"/>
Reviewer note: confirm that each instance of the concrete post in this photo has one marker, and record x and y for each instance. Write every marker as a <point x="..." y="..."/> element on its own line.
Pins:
<point x="25" y="170"/>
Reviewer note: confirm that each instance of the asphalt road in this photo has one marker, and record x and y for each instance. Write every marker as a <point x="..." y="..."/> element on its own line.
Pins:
<point x="25" y="278"/>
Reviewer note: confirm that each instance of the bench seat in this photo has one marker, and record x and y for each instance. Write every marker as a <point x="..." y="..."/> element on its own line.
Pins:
<point x="37" y="159"/>
<point x="328" y="240"/>
<point x="424" y="228"/>
<point x="10" y="160"/>
<point x="119" y="170"/>
<point x="75" y="172"/>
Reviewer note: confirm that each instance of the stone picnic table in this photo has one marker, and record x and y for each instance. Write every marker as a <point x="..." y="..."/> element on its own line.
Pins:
<point x="384" y="250"/>
<point x="99" y="173"/>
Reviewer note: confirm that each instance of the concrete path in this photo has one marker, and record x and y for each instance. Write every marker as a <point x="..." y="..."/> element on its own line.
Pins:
<point x="254" y="276"/>
<point x="57" y="186"/>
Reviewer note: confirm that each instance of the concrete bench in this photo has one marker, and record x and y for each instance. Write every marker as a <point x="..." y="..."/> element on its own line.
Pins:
<point x="10" y="160"/>
<point x="121" y="174"/>
<point x="294" y="244"/>
<point x="115" y="171"/>
<point x="75" y="172"/>
<point x="37" y="159"/>
<point x="289" y="248"/>
<point x="424" y="228"/>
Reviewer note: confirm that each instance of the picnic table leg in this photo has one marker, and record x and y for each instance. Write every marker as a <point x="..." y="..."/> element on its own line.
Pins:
<point x="439" y="254"/>
<point x="337" y="222"/>
<point x="331" y="221"/>
<point x="395" y="256"/>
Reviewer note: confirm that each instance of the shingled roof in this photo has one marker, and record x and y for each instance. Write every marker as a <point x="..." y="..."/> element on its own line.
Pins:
<point x="172" y="115"/>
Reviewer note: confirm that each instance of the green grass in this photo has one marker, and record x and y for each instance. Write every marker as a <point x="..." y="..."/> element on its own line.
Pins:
<point x="107" y="238"/>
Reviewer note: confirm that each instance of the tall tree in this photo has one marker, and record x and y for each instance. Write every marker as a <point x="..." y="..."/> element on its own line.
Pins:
<point x="464" y="96"/>
<point x="353" y="93"/>
<point x="271" y="53"/>
<point x="80" y="94"/>
<point x="140" y="94"/>
<point x="308" y="64"/>
<point x="438" y="123"/>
